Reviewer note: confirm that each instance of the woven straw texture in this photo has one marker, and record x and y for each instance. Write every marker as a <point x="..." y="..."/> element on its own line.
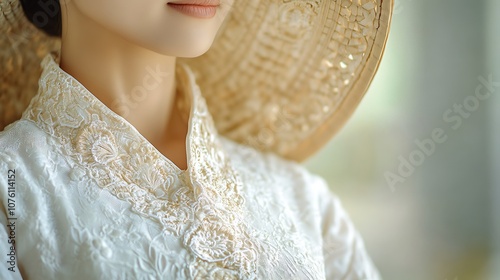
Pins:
<point x="282" y="75"/>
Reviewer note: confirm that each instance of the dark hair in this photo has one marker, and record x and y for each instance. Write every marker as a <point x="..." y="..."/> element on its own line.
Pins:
<point x="44" y="14"/>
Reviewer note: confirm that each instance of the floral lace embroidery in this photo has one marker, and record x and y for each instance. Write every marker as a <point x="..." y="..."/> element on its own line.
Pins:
<point x="206" y="208"/>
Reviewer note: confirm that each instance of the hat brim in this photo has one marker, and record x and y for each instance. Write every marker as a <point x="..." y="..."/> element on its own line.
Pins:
<point x="284" y="76"/>
<point x="281" y="76"/>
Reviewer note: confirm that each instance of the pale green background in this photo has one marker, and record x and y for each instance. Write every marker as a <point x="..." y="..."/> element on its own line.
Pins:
<point x="442" y="222"/>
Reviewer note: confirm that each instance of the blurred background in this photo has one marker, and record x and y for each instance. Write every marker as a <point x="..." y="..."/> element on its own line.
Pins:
<point x="418" y="165"/>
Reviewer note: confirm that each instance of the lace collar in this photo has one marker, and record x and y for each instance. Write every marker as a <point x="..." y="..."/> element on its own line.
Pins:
<point x="203" y="201"/>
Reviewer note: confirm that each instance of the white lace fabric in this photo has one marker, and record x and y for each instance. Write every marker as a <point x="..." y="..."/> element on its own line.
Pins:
<point x="93" y="199"/>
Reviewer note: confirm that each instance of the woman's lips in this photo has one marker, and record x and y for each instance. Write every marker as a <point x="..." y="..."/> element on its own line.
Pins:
<point x="199" y="9"/>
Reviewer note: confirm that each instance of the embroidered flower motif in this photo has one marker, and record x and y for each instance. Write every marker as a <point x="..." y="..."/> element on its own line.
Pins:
<point x="100" y="247"/>
<point x="175" y="219"/>
<point x="153" y="179"/>
<point x="202" y="270"/>
<point x="95" y="143"/>
<point x="212" y="241"/>
<point x="73" y="110"/>
<point x="91" y="245"/>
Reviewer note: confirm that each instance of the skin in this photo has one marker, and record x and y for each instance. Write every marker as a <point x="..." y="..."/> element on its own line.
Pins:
<point x="111" y="47"/>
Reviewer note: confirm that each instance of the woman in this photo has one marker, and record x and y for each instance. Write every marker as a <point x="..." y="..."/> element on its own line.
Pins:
<point x="132" y="163"/>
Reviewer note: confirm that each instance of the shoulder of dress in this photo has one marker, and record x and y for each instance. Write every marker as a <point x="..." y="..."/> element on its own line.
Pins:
<point x="22" y="139"/>
<point x="241" y="151"/>
<point x="248" y="158"/>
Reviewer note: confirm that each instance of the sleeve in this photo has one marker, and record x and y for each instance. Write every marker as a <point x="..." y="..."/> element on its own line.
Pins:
<point x="343" y="248"/>
<point x="9" y="261"/>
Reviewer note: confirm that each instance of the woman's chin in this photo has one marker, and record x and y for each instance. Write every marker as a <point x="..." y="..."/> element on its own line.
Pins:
<point x="185" y="52"/>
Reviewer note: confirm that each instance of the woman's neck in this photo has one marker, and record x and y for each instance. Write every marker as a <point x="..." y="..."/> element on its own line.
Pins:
<point x="134" y="82"/>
